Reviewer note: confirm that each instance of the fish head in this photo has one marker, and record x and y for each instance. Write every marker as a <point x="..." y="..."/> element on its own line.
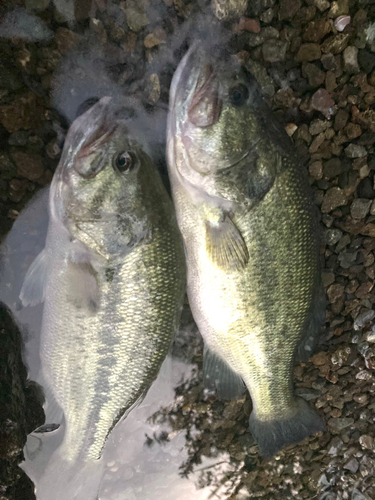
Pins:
<point x="215" y="123"/>
<point x="98" y="189"/>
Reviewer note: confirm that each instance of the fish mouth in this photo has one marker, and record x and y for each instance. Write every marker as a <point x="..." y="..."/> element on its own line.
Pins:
<point x="88" y="159"/>
<point x="205" y="106"/>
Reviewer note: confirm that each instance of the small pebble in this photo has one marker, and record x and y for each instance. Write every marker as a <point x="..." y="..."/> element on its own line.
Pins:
<point x="341" y="22"/>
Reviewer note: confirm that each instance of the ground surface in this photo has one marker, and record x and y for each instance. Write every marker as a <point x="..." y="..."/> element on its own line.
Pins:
<point x="315" y="60"/>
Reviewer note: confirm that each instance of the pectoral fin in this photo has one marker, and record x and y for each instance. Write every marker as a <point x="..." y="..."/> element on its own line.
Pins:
<point x="225" y="245"/>
<point x="33" y="288"/>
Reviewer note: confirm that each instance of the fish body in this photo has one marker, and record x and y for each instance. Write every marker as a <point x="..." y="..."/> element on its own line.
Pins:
<point x="111" y="276"/>
<point x="248" y="221"/>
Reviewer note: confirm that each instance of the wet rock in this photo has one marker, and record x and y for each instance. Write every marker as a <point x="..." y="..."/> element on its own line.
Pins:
<point x="251" y="25"/>
<point x="362" y="319"/>
<point x="351" y="60"/>
<point x="9" y="79"/>
<point x="154" y="39"/>
<point x="28" y="165"/>
<point x="227" y="9"/>
<point x="135" y="13"/>
<point x="322" y="5"/>
<point x="332" y="236"/>
<point x="318" y="126"/>
<point x="335" y="446"/>
<point x="316" y="170"/>
<point x="66" y="40"/>
<point x="274" y="50"/>
<point x="267" y="16"/>
<point x="38" y="5"/>
<point x="352" y="465"/>
<point x="366" y="442"/>
<point x="17" y="190"/>
<point x="322" y="101"/>
<point x="341" y="119"/>
<point x="366" y="61"/>
<point x="329" y="62"/>
<point x="24" y="112"/>
<point x="320" y="359"/>
<point x="335" y="44"/>
<point x="332" y="168"/>
<point x="352" y="131"/>
<point x="360" y="208"/>
<point x="334" y="197"/>
<point x="338" y="424"/>
<point x="316" y="30"/>
<point x="315" y="75"/>
<point x="308" y="52"/>
<point x="288" y="9"/>
<point x="327" y="278"/>
<point x="19" y="138"/>
<point x="307" y="393"/>
<point x="355" y="151"/>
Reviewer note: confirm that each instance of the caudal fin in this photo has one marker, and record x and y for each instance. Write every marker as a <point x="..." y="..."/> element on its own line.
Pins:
<point x="273" y="435"/>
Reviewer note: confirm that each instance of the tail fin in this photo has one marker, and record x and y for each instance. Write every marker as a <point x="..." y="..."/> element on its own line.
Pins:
<point x="63" y="480"/>
<point x="273" y="435"/>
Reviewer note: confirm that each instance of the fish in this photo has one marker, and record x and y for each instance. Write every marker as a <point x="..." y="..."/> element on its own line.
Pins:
<point x="251" y="233"/>
<point x="111" y="275"/>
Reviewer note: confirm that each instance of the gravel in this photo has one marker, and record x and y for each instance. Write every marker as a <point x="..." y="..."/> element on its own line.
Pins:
<point x="320" y="82"/>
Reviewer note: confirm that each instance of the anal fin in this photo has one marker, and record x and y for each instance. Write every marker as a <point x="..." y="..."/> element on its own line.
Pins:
<point x="225" y="245"/>
<point x="219" y="377"/>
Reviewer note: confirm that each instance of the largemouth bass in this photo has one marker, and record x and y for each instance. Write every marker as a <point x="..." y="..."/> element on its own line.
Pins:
<point x="247" y="218"/>
<point x="112" y="277"/>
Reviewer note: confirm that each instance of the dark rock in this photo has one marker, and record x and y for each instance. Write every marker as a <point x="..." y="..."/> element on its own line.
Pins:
<point x="351" y="60"/>
<point x="19" y="138"/>
<point x="365" y="189"/>
<point x="13" y="428"/>
<point x="322" y="101"/>
<point x="362" y="319"/>
<point x="322" y="5"/>
<point x="308" y="52"/>
<point x="315" y="75"/>
<point x="341" y="119"/>
<point x="366" y="60"/>
<point x="335" y="44"/>
<point x="329" y="62"/>
<point x="332" y="168"/>
<point x="332" y="236"/>
<point x="359" y="208"/>
<point x="316" y="30"/>
<point x="352" y="465"/>
<point x="333" y="198"/>
<point x="355" y="151"/>
<point x="29" y="165"/>
<point x="338" y="424"/>
<point x="274" y="50"/>
<point x="9" y="79"/>
<point x="288" y="9"/>
<point x="327" y="278"/>
<point x="38" y="5"/>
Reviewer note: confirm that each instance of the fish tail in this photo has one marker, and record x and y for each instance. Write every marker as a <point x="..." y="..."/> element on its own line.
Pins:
<point x="63" y="480"/>
<point x="273" y="435"/>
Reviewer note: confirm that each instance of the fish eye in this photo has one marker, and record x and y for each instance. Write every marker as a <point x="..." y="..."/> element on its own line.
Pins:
<point x="125" y="161"/>
<point x="238" y="95"/>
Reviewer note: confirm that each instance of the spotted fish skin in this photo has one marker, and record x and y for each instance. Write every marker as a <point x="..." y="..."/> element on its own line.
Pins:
<point x="247" y="217"/>
<point x="113" y="279"/>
